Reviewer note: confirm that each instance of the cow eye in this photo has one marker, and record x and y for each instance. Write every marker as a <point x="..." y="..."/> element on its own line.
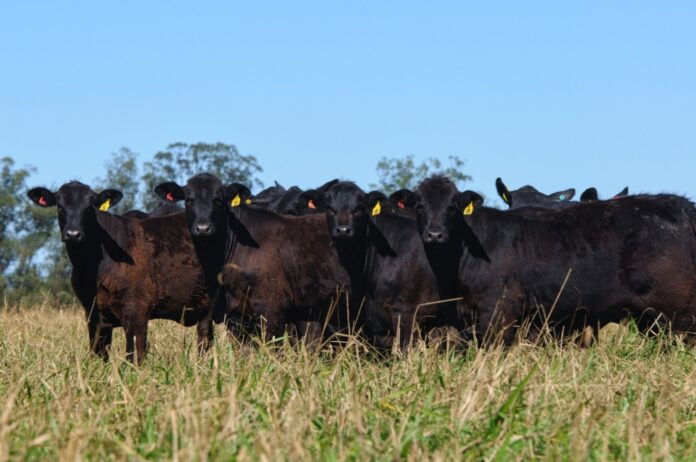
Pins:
<point x="359" y="209"/>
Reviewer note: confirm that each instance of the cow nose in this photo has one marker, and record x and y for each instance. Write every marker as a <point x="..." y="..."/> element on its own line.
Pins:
<point x="344" y="231"/>
<point x="435" y="236"/>
<point x="72" y="235"/>
<point x="202" y="228"/>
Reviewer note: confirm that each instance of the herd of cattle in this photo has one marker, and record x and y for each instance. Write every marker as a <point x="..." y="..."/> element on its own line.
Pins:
<point x="336" y="259"/>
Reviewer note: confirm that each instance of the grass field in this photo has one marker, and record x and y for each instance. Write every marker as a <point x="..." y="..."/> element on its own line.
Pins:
<point x="628" y="397"/>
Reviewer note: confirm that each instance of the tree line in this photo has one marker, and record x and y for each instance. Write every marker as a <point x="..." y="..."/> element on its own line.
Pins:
<point x="33" y="262"/>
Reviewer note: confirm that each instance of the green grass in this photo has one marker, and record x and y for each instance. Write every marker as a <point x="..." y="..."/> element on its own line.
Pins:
<point x="628" y="397"/>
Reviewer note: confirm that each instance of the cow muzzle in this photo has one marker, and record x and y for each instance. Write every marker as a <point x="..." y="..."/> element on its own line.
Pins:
<point x="343" y="232"/>
<point x="435" y="236"/>
<point x="73" y="235"/>
<point x="203" y="229"/>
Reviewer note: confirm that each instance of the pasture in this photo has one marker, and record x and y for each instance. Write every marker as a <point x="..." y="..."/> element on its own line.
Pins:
<point x="626" y="397"/>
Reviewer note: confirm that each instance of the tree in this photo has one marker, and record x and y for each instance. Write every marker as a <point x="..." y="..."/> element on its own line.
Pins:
<point x="180" y="161"/>
<point x="122" y="174"/>
<point x="397" y="173"/>
<point x="23" y="231"/>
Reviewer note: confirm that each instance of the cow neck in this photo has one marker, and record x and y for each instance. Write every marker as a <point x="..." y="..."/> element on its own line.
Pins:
<point x="212" y="253"/>
<point x="444" y="261"/>
<point x="85" y="258"/>
<point x="357" y="257"/>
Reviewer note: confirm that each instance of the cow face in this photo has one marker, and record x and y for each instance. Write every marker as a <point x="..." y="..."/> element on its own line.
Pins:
<point x="207" y="202"/>
<point x="528" y="196"/>
<point x="346" y="211"/>
<point x="438" y="211"/>
<point x="77" y="205"/>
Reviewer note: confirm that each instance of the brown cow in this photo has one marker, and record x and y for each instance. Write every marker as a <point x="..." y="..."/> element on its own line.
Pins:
<point x="127" y="271"/>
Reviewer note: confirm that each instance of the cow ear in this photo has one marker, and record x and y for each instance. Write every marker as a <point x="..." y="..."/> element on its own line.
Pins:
<point x="470" y="202"/>
<point x="503" y="191"/>
<point x="312" y="199"/>
<point x="108" y="198"/>
<point x="170" y="192"/>
<point x="563" y="196"/>
<point x="42" y="197"/>
<point x="237" y="194"/>
<point x="375" y="201"/>
<point x="403" y="199"/>
<point x="623" y="192"/>
<point x="589" y="195"/>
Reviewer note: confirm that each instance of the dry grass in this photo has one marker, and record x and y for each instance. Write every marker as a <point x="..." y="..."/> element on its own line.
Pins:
<point x="629" y="397"/>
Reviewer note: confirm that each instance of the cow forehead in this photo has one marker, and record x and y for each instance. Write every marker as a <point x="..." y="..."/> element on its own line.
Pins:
<point x="203" y="185"/>
<point x="344" y="193"/>
<point x="436" y="195"/>
<point x="74" y="193"/>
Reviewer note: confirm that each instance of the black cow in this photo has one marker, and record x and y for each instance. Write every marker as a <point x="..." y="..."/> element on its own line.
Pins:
<point x="528" y="196"/>
<point x="128" y="271"/>
<point x="591" y="195"/>
<point x="277" y="269"/>
<point x="385" y="260"/>
<point x="585" y="265"/>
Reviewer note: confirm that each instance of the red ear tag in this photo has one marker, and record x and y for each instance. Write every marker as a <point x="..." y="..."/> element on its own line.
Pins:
<point x="401" y="205"/>
<point x="311" y="204"/>
<point x="170" y="197"/>
<point x="42" y="201"/>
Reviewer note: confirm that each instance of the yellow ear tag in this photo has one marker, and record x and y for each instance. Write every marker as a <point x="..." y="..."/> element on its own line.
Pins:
<point x="236" y="201"/>
<point x="247" y="202"/>
<point x="105" y="205"/>
<point x="377" y="209"/>
<point x="469" y="209"/>
<point x="505" y="198"/>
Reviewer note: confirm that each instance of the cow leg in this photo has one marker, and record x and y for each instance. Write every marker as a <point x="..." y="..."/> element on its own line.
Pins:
<point x="403" y="322"/>
<point x="206" y="334"/>
<point x="274" y="325"/>
<point x="136" y="340"/>
<point x="99" y="337"/>
<point x="496" y="323"/>
<point x="310" y="332"/>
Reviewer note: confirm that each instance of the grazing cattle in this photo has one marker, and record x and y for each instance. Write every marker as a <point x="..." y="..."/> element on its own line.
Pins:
<point x="590" y="194"/>
<point x="277" y="269"/>
<point x="586" y="265"/>
<point x="528" y="196"/>
<point x="127" y="271"/>
<point x="385" y="260"/>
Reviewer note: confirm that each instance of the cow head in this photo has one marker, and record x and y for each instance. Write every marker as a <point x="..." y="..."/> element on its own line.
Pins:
<point x="347" y="212"/>
<point x="77" y="207"/>
<point x="207" y="202"/>
<point x="437" y="210"/>
<point x="527" y="196"/>
<point x="441" y="210"/>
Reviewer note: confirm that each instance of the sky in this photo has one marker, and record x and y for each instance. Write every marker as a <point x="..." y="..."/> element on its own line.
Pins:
<point x="554" y="94"/>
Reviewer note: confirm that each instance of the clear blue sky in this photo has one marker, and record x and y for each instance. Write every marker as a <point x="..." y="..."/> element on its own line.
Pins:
<point x="551" y="93"/>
